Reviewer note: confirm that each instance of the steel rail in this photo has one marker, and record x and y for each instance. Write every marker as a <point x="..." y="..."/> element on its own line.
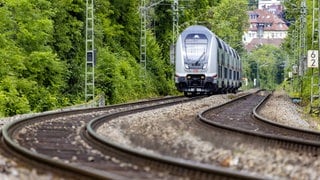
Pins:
<point x="171" y="161"/>
<point x="10" y="129"/>
<point x="259" y="118"/>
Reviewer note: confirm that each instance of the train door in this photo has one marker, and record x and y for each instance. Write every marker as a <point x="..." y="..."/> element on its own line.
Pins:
<point x="220" y="59"/>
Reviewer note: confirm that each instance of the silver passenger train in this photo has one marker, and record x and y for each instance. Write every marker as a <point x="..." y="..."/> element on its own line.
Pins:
<point x="205" y="64"/>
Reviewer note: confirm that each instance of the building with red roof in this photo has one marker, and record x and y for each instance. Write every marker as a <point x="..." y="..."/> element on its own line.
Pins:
<point x="265" y="28"/>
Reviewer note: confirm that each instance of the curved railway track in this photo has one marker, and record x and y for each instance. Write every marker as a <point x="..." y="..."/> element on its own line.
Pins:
<point x="68" y="140"/>
<point x="54" y="139"/>
<point x="62" y="140"/>
<point x="181" y="168"/>
<point x="243" y="116"/>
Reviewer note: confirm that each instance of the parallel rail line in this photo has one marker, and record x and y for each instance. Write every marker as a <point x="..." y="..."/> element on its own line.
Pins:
<point x="243" y="117"/>
<point x="62" y="141"/>
<point x="52" y="138"/>
<point x="68" y="140"/>
<point x="183" y="168"/>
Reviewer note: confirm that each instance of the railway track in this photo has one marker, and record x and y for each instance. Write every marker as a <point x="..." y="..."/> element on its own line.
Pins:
<point x="243" y="116"/>
<point x="224" y="134"/>
<point x="64" y="141"/>
<point x="55" y="139"/>
<point x="68" y="141"/>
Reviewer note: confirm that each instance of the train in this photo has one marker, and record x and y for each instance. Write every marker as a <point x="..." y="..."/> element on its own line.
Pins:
<point x="205" y="64"/>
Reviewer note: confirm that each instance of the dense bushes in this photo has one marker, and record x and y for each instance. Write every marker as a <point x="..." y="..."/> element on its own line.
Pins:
<point x="42" y="51"/>
<point x="31" y="74"/>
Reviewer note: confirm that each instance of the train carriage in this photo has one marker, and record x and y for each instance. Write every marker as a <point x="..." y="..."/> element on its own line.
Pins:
<point x="205" y="64"/>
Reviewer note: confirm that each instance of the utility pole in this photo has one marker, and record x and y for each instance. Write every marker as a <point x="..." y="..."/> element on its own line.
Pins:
<point x="175" y="26"/>
<point x="175" y="29"/>
<point x="302" y="43"/>
<point x="143" y="35"/>
<point x="303" y="30"/>
<point x="143" y="38"/>
<point x="313" y="59"/>
<point x="175" y="20"/>
<point x="90" y="52"/>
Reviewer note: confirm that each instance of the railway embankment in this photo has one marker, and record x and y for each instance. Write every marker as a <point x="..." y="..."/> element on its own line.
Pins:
<point x="281" y="109"/>
<point x="172" y="131"/>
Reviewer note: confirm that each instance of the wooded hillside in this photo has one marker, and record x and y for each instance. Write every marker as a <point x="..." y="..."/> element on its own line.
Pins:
<point x="42" y="49"/>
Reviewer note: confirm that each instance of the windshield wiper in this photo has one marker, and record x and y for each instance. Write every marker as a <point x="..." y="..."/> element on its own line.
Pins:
<point x="198" y="61"/>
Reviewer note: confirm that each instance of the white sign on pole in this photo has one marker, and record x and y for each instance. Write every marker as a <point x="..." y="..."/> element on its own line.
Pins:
<point x="313" y="58"/>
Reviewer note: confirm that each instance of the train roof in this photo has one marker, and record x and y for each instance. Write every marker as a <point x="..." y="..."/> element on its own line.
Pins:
<point x="197" y="29"/>
<point x="202" y="29"/>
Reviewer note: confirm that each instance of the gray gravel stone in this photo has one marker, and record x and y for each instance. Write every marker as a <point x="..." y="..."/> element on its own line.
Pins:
<point x="169" y="131"/>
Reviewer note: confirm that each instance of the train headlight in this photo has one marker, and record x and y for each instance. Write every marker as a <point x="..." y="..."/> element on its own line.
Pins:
<point x="202" y="77"/>
<point x="204" y="66"/>
<point x="189" y="77"/>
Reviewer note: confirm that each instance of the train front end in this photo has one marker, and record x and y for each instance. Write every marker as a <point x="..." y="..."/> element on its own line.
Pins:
<point x="193" y="64"/>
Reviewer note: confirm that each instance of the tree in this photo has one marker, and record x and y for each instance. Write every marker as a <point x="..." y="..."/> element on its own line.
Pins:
<point x="31" y="74"/>
<point x="265" y="64"/>
<point x="229" y="20"/>
<point x="68" y="44"/>
<point x="42" y="49"/>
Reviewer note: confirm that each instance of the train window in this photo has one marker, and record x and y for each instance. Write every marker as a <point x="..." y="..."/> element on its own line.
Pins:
<point x="234" y="53"/>
<point x="219" y="56"/>
<point x="222" y="58"/>
<point x="230" y="74"/>
<point x="196" y="47"/>
<point x="224" y="46"/>
<point x="225" y="72"/>
<point x="219" y="43"/>
<point x="227" y="60"/>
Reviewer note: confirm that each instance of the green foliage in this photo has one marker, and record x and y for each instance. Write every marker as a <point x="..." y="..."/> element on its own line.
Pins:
<point x="229" y="20"/>
<point x="68" y="44"/>
<point x="126" y="20"/>
<point x="42" y="49"/>
<point x="118" y="77"/>
<point x="300" y="85"/>
<point x="160" y="71"/>
<point x="31" y="74"/>
<point x="265" y="64"/>
<point x="12" y="98"/>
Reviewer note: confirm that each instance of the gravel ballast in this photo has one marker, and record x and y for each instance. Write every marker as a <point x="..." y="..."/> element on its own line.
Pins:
<point x="171" y="130"/>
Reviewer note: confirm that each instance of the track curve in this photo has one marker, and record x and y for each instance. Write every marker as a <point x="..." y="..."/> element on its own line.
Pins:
<point x="192" y="169"/>
<point x="242" y="115"/>
<point x="52" y="138"/>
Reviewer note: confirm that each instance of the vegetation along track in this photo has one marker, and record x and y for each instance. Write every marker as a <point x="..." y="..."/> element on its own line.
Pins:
<point x="242" y="115"/>
<point x="55" y="139"/>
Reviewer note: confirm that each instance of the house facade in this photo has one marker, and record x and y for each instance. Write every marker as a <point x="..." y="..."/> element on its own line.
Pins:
<point x="265" y="28"/>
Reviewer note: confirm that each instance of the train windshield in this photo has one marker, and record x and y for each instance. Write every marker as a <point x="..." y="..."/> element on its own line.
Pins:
<point x="195" y="50"/>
